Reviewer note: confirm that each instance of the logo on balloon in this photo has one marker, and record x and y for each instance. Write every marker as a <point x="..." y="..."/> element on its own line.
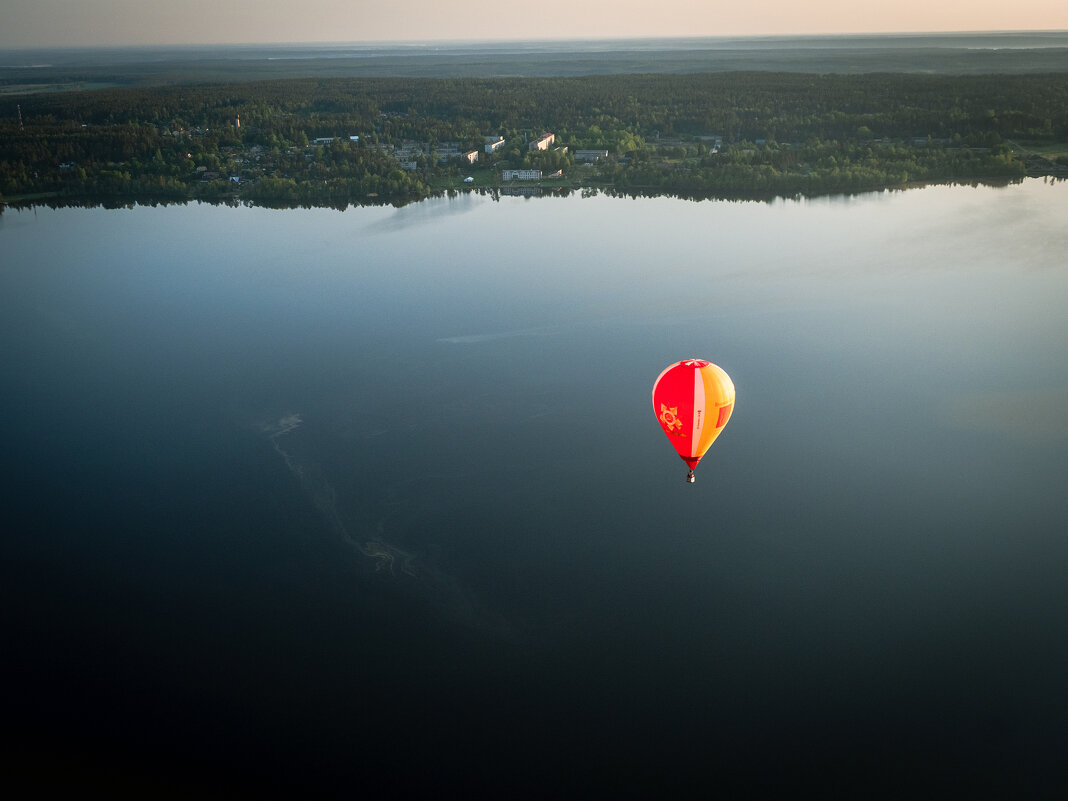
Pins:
<point x="669" y="417"/>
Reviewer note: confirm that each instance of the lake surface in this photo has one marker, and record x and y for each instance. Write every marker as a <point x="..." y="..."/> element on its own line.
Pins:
<point x="313" y="501"/>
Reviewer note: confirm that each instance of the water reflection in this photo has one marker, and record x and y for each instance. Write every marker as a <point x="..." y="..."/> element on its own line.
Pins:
<point x="443" y="594"/>
<point x="415" y="449"/>
<point x="1034" y="416"/>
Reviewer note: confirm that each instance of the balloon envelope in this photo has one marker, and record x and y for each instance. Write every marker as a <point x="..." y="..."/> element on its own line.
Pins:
<point x="693" y="400"/>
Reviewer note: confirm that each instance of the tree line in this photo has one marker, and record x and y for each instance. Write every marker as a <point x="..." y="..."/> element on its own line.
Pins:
<point x="715" y="134"/>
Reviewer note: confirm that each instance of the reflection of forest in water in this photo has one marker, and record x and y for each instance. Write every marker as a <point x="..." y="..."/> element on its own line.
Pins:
<point x="375" y="536"/>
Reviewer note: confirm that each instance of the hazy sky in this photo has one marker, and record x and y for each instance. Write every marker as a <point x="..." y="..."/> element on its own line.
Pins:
<point x="31" y="23"/>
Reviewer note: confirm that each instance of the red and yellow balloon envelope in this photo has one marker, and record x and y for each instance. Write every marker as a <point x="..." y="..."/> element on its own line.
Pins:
<point x="693" y="400"/>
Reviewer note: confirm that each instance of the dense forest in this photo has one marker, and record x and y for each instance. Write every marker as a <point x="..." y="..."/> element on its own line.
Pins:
<point x="754" y="134"/>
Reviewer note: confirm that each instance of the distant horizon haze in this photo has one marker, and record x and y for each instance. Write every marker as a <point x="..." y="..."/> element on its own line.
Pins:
<point x="116" y="23"/>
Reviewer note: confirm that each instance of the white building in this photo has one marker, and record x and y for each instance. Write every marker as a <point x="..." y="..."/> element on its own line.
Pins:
<point x="494" y="143"/>
<point x="543" y="142"/>
<point x="520" y="175"/>
<point x="471" y="156"/>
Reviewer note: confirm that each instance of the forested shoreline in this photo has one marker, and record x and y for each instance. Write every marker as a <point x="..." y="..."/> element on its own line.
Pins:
<point x="396" y="140"/>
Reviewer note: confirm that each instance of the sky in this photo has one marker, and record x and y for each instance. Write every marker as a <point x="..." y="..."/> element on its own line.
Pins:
<point x="62" y="23"/>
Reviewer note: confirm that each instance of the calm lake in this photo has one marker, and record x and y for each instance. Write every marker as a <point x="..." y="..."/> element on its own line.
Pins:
<point x="316" y="502"/>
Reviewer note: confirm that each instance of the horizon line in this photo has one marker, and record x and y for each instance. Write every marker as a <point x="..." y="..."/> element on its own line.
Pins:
<point x="423" y="42"/>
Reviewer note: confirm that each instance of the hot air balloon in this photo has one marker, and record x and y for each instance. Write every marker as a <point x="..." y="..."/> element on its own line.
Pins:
<point x="693" y="400"/>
